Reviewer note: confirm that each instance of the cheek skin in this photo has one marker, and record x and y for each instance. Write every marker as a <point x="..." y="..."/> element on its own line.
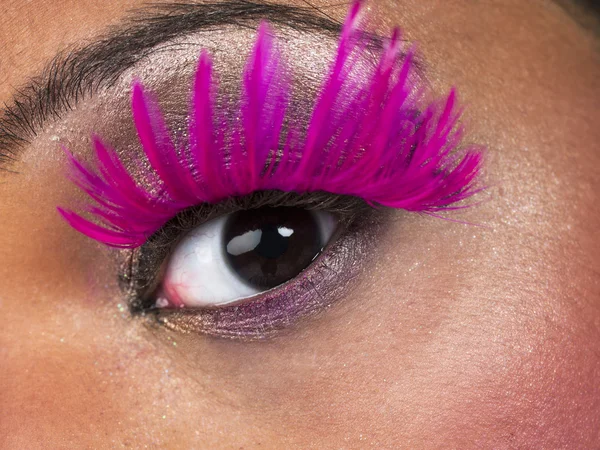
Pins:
<point x="76" y="370"/>
<point x="458" y="336"/>
<point x="448" y="364"/>
<point x="108" y="387"/>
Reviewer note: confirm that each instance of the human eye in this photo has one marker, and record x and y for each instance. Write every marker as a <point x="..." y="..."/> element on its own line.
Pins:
<point x="243" y="254"/>
<point x="246" y="270"/>
<point x="255" y="218"/>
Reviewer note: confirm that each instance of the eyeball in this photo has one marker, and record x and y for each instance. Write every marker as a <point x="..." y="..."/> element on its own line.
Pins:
<point x="243" y="254"/>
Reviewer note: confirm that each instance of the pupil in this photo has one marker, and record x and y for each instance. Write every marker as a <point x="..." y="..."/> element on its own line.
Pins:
<point x="272" y="244"/>
<point x="266" y="247"/>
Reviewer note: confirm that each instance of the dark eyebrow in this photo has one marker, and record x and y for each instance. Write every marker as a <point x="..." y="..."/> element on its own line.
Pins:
<point x="74" y="75"/>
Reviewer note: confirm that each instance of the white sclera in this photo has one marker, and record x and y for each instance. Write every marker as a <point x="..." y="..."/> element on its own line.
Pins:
<point x="198" y="274"/>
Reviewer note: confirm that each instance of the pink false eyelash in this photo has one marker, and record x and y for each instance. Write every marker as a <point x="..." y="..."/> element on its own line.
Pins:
<point x="363" y="139"/>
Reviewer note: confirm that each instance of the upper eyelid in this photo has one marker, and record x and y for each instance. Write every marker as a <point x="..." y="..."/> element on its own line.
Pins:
<point x="71" y="76"/>
<point x="346" y="207"/>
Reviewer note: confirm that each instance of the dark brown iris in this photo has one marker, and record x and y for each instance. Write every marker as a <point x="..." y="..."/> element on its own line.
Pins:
<point x="266" y="247"/>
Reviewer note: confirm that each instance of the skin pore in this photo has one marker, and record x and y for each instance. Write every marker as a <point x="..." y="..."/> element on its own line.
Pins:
<point x="454" y="336"/>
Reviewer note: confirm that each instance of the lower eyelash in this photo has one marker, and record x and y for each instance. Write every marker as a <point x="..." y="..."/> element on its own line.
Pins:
<point x="332" y="276"/>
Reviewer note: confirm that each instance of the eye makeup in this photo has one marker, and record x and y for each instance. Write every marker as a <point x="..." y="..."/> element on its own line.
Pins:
<point x="362" y="140"/>
<point x="330" y="276"/>
<point x="369" y="142"/>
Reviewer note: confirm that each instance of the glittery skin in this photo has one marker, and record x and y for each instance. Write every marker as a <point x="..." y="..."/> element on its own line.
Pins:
<point x="364" y="138"/>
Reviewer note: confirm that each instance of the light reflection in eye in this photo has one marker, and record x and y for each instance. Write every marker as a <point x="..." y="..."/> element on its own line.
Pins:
<point x="243" y="254"/>
<point x="244" y="243"/>
<point x="284" y="231"/>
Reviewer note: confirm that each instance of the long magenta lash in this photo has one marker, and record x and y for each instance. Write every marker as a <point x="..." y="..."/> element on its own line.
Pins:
<point x="363" y="140"/>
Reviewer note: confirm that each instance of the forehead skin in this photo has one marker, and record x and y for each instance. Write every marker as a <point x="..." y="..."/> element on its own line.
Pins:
<point x="458" y="337"/>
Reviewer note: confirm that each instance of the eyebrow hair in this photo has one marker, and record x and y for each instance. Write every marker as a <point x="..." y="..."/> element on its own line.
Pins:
<point x="74" y="75"/>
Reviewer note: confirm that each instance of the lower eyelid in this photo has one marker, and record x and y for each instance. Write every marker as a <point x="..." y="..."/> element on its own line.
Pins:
<point x="329" y="278"/>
